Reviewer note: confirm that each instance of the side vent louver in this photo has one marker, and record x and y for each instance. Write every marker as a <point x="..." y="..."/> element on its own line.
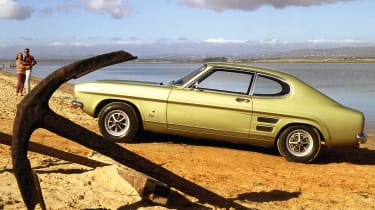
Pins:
<point x="264" y="128"/>
<point x="267" y="120"/>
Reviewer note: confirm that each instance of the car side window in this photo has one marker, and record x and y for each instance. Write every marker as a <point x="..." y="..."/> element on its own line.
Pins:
<point x="227" y="81"/>
<point x="270" y="86"/>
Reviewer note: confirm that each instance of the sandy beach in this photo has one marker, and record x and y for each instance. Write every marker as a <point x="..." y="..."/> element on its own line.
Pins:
<point x="251" y="176"/>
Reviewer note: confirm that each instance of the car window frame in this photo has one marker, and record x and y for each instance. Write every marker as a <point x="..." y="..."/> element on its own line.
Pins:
<point x="214" y="69"/>
<point x="186" y="80"/>
<point x="286" y="87"/>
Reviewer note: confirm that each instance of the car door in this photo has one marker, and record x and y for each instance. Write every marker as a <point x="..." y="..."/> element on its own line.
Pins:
<point x="270" y="108"/>
<point x="218" y="105"/>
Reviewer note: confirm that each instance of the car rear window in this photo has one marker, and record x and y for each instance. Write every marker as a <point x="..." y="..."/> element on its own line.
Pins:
<point x="270" y="86"/>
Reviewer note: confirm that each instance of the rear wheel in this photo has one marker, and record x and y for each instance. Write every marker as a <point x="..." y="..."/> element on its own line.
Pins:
<point x="299" y="143"/>
<point x="118" y="122"/>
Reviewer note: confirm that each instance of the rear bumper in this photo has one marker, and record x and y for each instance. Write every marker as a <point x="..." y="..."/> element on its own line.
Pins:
<point x="362" y="138"/>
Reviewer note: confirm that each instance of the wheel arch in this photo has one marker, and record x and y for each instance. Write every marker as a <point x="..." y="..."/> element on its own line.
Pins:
<point x="103" y="103"/>
<point x="317" y="131"/>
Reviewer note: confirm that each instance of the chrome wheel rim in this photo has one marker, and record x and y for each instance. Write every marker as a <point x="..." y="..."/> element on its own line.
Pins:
<point x="299" y="143"/>
<point x="117" y="123"/>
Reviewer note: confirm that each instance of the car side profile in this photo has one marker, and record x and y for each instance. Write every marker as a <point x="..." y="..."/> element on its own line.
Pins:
<point x="226" y="102"/>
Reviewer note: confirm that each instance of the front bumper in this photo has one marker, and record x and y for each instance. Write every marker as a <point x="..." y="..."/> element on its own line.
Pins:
<point x="362" y="138"/>
<point x="77" y="104"/>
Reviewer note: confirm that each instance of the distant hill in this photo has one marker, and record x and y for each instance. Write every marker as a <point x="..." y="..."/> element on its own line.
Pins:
<point x="237" y="52"/>
<point x="348" y="52"/>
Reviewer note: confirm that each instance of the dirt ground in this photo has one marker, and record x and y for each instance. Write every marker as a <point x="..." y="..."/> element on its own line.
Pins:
<point x="254" y="177"/>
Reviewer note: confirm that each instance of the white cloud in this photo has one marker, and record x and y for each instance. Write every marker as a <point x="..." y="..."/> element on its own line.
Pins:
<point x="67" y="6"/>
<point x="57" y="44"/>
<point x="10" y="9"/>
<point x="129" y="42"/>
<point x="46" y="11"/>
<point x="341" y="42"/>
<point x="225" y="41"/>
<point x="271" y="41"/>
<point x="71" y="44"/>
<point x="116" y="8"/>
<point x="220" y="5"/>
<point x="143" y="49"/>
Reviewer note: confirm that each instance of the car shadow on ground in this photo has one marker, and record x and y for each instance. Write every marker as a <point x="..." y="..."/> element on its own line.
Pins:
<point x="146" y="137"/>
<point x="359" y="156"/>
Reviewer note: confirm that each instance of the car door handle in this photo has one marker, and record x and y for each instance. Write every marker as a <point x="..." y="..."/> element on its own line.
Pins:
<point x="242" y="100"/>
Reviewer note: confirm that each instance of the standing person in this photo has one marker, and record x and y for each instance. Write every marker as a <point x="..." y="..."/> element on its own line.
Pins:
<point x="28" y="61"/>
<point x="21" y="75"/>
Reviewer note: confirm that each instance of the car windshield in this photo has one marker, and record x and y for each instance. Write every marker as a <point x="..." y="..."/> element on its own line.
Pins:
<point x="188" y="77"/>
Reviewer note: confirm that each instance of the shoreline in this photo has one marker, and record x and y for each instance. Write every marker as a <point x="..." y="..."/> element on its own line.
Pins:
<point x="34" y="80"/>
<point x="234" y="60"/>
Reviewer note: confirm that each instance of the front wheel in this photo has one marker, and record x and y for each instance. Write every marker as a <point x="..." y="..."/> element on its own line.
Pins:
<point x="118" y="122"/>
<point x="299" y="143"/>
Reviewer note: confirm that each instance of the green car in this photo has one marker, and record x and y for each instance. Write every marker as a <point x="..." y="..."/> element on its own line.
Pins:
<point x="226" y="102"/>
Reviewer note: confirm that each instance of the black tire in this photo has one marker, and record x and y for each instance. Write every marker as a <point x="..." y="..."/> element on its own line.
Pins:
<point x="118" y="122"/>
<point x="299" y="143"/>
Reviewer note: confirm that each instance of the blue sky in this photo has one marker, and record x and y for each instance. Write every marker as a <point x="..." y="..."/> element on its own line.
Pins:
<point x="182" y="27"/>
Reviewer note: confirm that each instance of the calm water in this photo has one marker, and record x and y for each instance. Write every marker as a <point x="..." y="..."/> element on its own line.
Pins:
<point x="351" y="84"/>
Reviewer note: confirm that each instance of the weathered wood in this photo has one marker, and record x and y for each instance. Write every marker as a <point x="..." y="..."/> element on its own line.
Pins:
<point x="33" y="112"/>
<point x="157" y="192"/>
<point x="148" y="188"/>
<point x="38" y="190"/>
<point x="45" y="150"/>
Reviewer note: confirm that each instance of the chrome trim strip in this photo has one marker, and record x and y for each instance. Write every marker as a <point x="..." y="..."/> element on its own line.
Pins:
<point x="175" y="126"/>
